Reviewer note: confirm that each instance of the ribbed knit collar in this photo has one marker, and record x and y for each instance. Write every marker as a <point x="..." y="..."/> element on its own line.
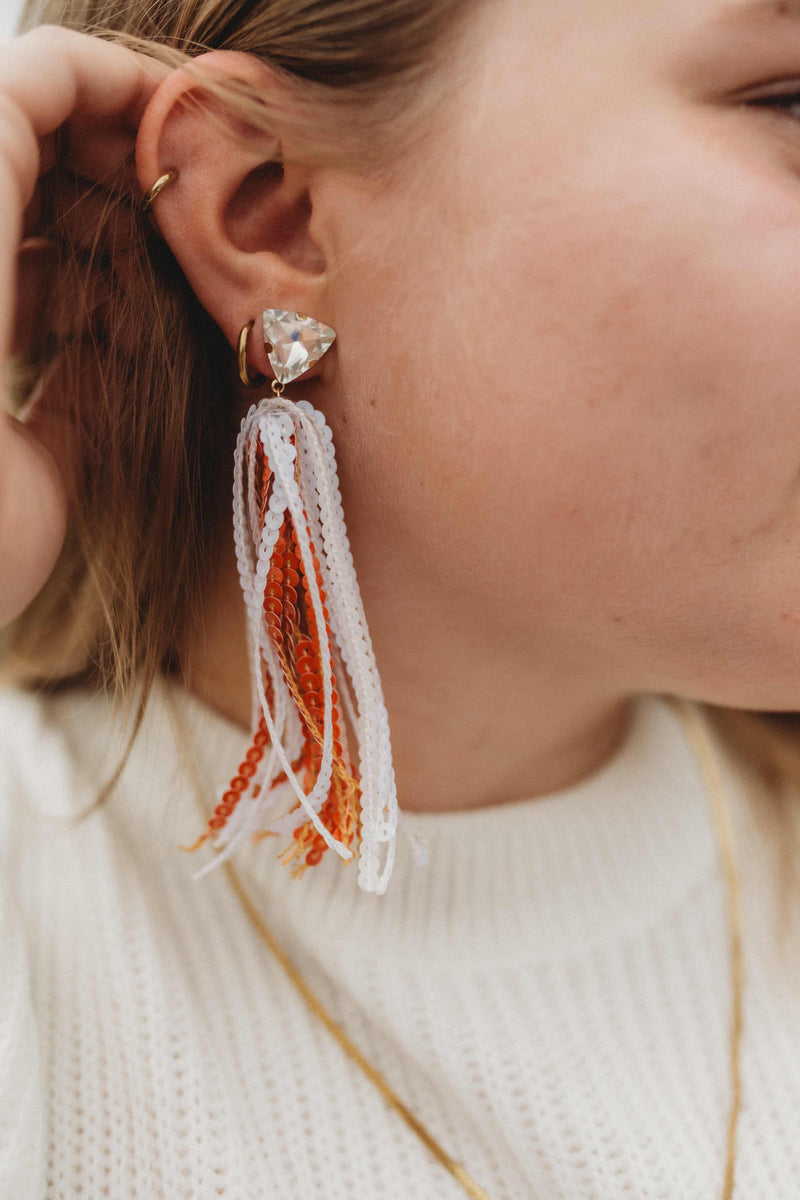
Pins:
<point x="531" y="878"/>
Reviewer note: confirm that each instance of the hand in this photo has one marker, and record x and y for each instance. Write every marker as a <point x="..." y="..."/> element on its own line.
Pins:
<point x="92" y="93"/>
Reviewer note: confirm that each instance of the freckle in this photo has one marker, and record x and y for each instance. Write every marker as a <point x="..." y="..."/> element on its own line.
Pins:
<point x="372" y="402"/>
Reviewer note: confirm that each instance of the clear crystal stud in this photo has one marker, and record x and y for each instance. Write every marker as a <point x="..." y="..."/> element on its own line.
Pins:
<point x="294" y="342"/>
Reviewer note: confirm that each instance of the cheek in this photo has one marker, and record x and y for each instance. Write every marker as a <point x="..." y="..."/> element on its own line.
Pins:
<point x="607" y="368"/>
<point x="637" y="339"/>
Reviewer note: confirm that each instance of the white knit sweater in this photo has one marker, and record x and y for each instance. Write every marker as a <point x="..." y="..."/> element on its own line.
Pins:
<point x="550" y="993"/>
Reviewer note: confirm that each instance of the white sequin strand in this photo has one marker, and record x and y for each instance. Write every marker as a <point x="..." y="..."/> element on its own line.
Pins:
<point x="298" y="447"/>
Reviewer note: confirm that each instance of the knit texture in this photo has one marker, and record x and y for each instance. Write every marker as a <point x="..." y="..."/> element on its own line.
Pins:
<point x="549" y="992"/>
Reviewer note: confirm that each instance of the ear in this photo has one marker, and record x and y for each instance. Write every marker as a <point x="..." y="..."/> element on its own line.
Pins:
<point x="237" y="218"/>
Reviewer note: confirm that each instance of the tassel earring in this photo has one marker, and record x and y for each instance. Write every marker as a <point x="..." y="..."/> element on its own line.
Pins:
<point x="310" y="650"/>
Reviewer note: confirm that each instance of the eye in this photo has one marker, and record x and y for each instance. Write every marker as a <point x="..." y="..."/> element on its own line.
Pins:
<point x="786" y="102"/>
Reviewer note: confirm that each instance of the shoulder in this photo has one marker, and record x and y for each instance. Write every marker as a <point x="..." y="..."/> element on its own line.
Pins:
<point x="20" y="715"/>
<point x="37" y="776"/>
<point x="20" y="742"/>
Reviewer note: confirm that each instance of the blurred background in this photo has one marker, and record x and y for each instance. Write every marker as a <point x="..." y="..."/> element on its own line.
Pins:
<point x="9" y="10"/>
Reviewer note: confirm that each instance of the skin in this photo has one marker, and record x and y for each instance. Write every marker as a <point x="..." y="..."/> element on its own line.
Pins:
<point x="86" y="80"/>
<point x="565" y="392"/>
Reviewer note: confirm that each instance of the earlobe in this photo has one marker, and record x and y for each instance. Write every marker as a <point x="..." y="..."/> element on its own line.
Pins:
<point x="237" y="215"/>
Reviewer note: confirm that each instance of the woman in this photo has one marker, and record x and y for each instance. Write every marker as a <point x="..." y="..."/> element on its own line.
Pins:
<point x="557" y="246"/>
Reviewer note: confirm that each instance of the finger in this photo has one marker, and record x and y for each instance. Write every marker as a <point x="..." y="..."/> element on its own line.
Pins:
<point x="85" y="75"/>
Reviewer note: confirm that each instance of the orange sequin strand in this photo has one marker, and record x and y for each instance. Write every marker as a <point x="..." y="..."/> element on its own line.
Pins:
<point x="292" y="627"/>
<point x="300" y="654"/>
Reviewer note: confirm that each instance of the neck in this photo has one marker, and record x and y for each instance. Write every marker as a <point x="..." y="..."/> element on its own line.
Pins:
<point x="474" y="722"/>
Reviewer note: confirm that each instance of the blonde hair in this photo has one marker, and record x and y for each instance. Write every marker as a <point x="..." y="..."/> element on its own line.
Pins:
<point x="146" y="381"/>
<point x="144" y="374"/>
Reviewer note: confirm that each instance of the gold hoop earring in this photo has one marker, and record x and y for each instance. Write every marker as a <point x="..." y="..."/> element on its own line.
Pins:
<point x="158" y="186"/>
<point x="249" y="381"/>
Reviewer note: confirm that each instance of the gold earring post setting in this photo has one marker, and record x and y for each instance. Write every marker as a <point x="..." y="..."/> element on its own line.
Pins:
<point x="293" y="342"/>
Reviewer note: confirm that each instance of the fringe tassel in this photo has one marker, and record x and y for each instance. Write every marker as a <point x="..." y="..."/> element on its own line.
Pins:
<point x="310" y="653"/>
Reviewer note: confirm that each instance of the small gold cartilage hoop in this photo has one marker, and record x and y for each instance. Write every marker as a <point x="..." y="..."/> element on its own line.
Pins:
<point x="158" y="186"/>
<point x="249" y="381"/>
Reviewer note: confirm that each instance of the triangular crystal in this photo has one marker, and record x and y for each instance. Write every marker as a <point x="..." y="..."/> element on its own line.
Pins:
<point x="294" y="342"/>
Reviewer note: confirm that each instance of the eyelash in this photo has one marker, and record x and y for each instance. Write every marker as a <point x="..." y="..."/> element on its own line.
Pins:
<point x="782" y="102"/>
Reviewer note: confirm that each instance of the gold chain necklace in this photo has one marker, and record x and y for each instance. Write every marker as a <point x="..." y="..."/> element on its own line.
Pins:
<point x="698" y="735"/>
